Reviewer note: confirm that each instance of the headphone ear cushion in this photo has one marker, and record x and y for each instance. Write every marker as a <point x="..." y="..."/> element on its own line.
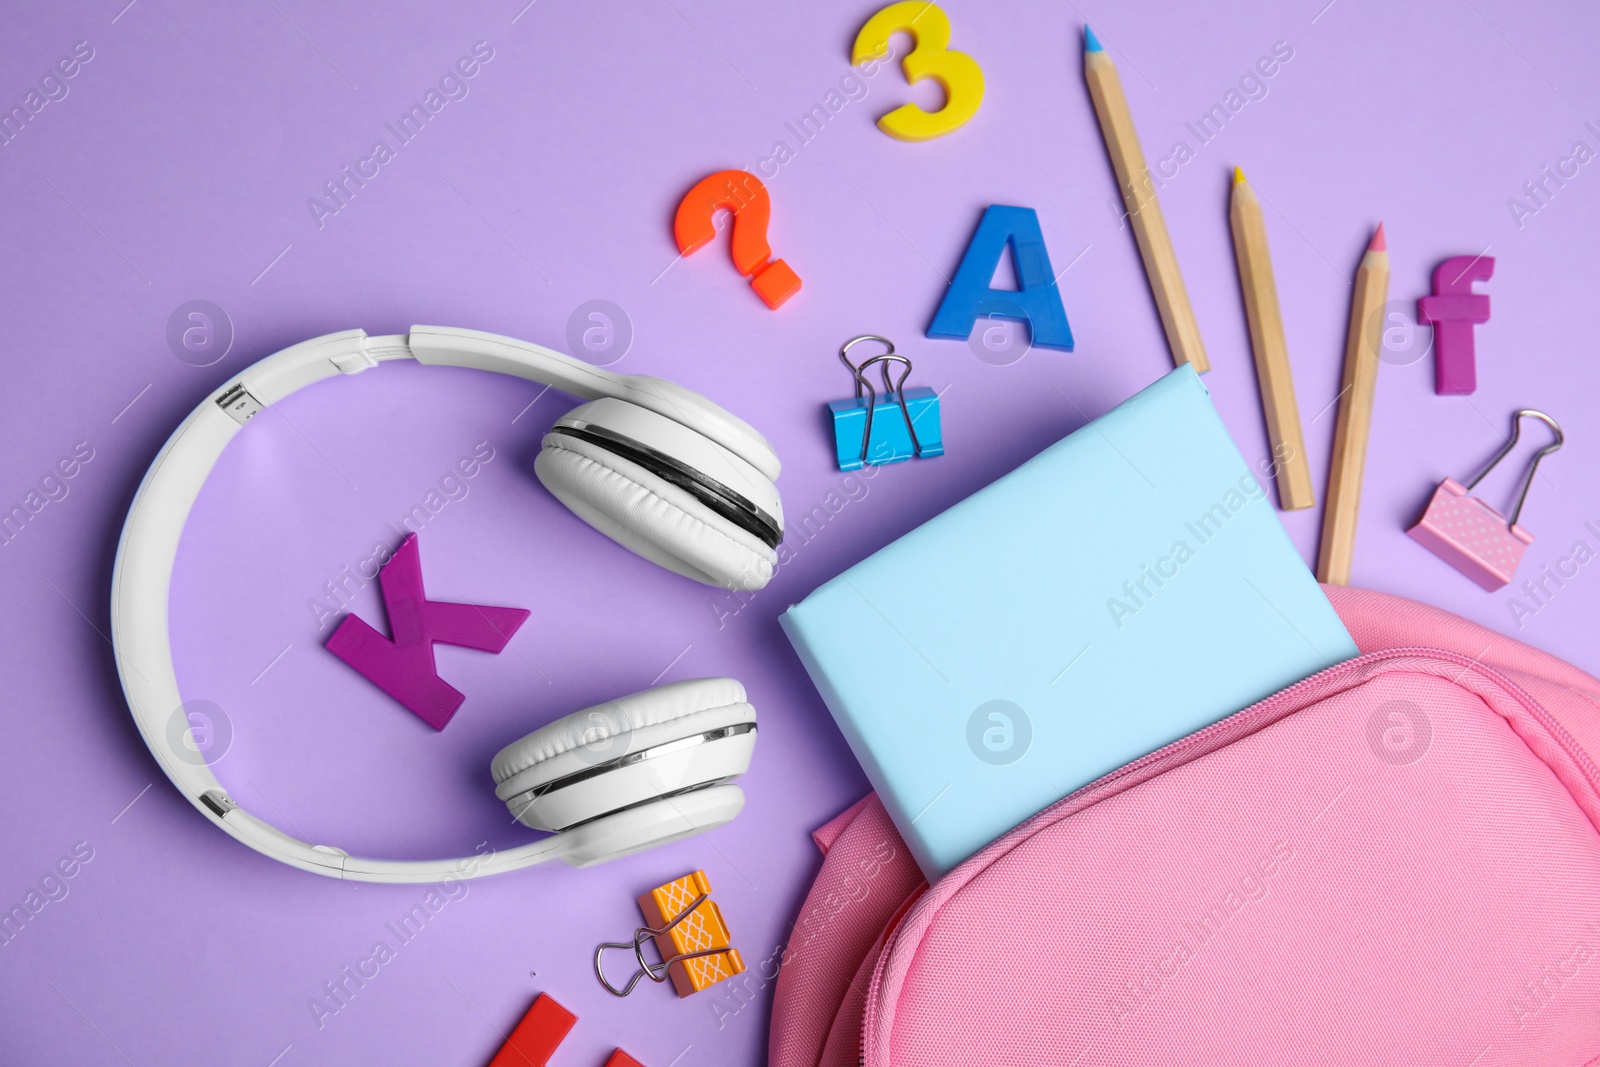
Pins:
<point x="652" y="517"/>
<point x="530" y="773"/>
<point x="592" y="732"/>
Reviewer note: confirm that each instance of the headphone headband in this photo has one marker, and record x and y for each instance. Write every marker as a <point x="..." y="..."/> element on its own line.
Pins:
<point x="148" y="549"/>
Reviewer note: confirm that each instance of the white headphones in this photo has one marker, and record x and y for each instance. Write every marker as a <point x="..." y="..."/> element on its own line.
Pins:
<point x="659" y="469"/>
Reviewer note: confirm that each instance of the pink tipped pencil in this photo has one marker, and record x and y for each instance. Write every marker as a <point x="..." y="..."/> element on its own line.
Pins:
<point x="1363" y="342"/>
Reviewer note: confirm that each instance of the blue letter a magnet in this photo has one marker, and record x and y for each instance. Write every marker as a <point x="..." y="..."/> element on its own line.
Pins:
<point x="1036" y="300"/>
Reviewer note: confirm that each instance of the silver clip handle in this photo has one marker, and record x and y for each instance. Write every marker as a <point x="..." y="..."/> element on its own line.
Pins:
<point x="656" y="972"/>
<point x="897" y="389"/>
<point x="1516" y="434"/>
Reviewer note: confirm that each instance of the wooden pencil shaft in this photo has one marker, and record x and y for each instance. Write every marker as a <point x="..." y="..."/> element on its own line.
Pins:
<point x="1363" y="342"/>
<point x="1144" y="212"/>
<point x="1271" y="349"/>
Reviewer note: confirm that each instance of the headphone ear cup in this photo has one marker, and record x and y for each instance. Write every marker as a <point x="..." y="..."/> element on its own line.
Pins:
<point x="659" y="822"/>
<point x="650" y="516"/>
<point x="705" y="417"/>
<point x="665" y="742"/>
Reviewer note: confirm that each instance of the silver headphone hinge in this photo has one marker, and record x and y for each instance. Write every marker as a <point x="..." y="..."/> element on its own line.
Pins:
<point x="218" y="802"/>
<point x="238" y="403"/>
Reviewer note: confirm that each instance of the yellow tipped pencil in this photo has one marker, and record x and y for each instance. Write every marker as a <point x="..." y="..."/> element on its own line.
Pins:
<point x="1144" y="211"/>
<point x="1272" y="351"/>
<point x="1363" y="342"/>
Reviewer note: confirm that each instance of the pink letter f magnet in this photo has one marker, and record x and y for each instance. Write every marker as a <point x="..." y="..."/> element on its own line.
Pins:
<point x="402" y="665"/>
<point x="1454" y="309"/>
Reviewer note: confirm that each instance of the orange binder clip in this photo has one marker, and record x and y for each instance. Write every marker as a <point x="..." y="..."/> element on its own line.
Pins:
<point x="688" y="930"/>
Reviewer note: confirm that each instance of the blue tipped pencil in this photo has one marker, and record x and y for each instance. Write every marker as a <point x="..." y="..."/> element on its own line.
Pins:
<point x="1144" y="211"/>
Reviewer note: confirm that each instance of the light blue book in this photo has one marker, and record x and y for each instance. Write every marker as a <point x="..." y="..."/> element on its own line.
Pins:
<point x="1125" y="587"/>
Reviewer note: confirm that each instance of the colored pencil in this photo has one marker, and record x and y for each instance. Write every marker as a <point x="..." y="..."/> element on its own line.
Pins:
<point x="1363" y="342"/>
<point x="1272" y="351"/>
<point x="1144" y="211"/>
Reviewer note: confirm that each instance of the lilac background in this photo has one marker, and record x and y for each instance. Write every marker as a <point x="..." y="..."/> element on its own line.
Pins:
<point x="179" y="167"/>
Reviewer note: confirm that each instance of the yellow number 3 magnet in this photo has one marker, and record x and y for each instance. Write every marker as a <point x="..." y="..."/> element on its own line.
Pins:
<point x="930" y="57"/>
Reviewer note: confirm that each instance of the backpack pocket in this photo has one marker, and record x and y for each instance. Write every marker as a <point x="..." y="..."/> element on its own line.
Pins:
<point x="1395" y="861"/>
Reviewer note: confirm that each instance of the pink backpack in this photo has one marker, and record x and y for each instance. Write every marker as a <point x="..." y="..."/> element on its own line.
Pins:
<point x="1394" y="861"/>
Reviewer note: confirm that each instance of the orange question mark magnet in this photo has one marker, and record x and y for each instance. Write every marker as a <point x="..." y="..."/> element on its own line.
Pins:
<point x="743" y="194"/>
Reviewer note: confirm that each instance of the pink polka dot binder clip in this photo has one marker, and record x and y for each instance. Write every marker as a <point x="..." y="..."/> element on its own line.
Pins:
<point x="1473" y="537"/>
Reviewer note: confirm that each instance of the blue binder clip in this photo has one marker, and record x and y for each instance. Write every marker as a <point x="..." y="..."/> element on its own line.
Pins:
<point x="865" y="429"/>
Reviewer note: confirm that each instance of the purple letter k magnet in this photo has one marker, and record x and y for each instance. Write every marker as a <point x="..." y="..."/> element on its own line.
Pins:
<point x="403" y="666"/>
